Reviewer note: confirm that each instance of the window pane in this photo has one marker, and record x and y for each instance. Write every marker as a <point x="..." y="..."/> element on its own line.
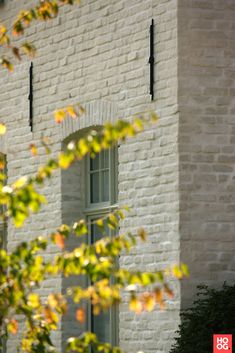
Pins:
<point x="102" y="177"/>
<point x="1" y="237"/>
<point x="105" y="185"/>
<point x="96" y="233"/>
<point x="101" y="326"/>
<point x="94" y="162"/>
<point x="94" y="192"/>
<point x="105" y="159"/>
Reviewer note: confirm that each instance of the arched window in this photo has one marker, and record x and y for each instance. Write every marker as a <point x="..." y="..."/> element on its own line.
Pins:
<point x="89" y="190"/>
<point x="101" y="198"/>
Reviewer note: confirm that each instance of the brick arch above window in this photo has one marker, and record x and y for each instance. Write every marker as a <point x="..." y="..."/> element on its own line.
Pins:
<point x="96" y="113"/>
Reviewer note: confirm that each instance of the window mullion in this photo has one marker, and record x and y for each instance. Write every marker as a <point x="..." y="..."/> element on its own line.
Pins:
<point x="88" y="181"/>
<point x="100" y="181"/>
<point x="110" y="178"/>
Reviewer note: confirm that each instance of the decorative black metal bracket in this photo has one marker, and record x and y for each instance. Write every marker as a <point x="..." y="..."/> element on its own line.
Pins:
<point x="31" y="96"/>
<point x="151" y="59"/>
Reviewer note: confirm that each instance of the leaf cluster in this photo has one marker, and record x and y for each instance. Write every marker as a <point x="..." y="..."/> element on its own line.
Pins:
<point x="22" y="197"/>
<point x="25" y="268"/>
<point x="45" y="10"/>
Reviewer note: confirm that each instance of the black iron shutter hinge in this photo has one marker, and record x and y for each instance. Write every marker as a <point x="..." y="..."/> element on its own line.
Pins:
<point x="151" y="59"/>
<point x="31" y="96"/>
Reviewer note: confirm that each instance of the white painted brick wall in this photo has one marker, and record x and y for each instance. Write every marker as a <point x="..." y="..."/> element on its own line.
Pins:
<point x="206" y="141"/>
<point x="178" y="176"/>
<point x="97" y="54"/>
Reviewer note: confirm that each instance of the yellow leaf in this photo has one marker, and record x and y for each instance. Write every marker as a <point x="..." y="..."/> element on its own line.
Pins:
<point x="96" y="309"/>
<point x="80" y="315"/>
<point x="154" y="117"/>
<point x="57" y="301"/>
<point x="59" y="240"/>
<point x="100" y="223"/>
<point x="65" y="160"/>
<point x="168" y="291"/>
<point x="29" y="49"/>
<point x="83" y="146"/>
<point x="7" y="65"/>
<point x="26" y="344"/>
<point x="16" y="52"/>
<point x="50" y="316"/>
<point x="2" y="163"/>
<point x="185" y="269"/>
<point x="149" y="302"/>
<point x="33" y="300"/>
<point x="139" y="124"/>
<point x="71" y="111"/>
<point x="3" y="129"/>
<point x="59" y="116"/>
<point x="142" y="234"/>
<point x="33" y="149"/>
<point x="52" y="300"/>
<point x="13" y="326"/>
<point x="176" y="271"/>
<point x="45" y="143"/>
<point x="3" y="29"/>
<point x="135" y="305"/>
<point x="158" y="296"/>
<point x="81" y="110"/>
<point x="20" y="182"/>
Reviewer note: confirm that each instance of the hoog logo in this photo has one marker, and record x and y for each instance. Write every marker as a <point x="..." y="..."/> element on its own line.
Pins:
<point x="222" y="343"/>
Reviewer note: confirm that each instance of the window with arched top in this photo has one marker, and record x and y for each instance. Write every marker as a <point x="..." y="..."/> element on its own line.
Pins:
<point x="101" y="198"/>
<point x="89" y="191"/>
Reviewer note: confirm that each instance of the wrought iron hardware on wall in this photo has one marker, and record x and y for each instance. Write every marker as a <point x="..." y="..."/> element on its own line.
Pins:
<point x="151" y="59"/>
<point x="31" y="96"/>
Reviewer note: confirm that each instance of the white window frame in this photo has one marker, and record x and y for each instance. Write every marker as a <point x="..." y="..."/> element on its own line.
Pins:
<point x="93" y="208"/>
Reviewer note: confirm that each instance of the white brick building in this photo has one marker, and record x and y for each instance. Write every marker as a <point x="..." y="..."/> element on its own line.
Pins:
<point x="179" y="176"/>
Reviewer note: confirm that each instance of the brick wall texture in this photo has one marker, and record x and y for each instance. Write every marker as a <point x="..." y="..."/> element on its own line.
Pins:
<point x="178" y="176"/>
<point x="206" y="141"/>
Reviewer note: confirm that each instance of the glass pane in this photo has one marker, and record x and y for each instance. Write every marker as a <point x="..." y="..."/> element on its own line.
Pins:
<point x="94" y="162"/>
<point x="94" y="196"/>
<point x="1" y="238"/>
<point x="105" y="159"/>
<point x="96" y="233"/>
<point x="101" y="326"/>
<point x="105" y="185"/>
